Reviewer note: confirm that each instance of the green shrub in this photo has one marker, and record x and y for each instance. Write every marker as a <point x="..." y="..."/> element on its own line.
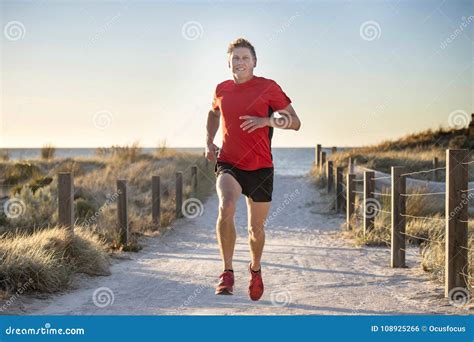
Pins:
<point x="20" y="172"/>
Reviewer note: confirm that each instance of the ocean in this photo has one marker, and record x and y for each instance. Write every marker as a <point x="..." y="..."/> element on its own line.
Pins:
<point x="287" y="161"/>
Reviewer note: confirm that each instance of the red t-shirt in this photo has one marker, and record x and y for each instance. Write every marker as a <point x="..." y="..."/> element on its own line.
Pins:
<point x="258" y="96"/>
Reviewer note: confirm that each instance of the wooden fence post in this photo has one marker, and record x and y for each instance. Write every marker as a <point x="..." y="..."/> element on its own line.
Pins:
<point x="322" y="161"/>
<point x="398" y="219"/>
<point x="339" y="188"/>
<point x="330" y="175"/>
<point x="457" y="203"/>
<point x="194" y="180"/>
<point x="66" y="201"/>
<point x="350" y="198"/>
<point x="122" y="211"/>
<point x="350" y="166"/>
<point x="179" y="194"/>
<point x="156" y="200"/>
<point x="435" y="172"/>
<point x="369" y="204"/>
<point x="317" y="154"/>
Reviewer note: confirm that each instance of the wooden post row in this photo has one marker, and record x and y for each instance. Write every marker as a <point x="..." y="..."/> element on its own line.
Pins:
<point x="179" y="194"/>
<point x="339" y="188"/>
<point x="317" y="154"/>
<point x="330" y="176"/>
<point x="322" y="161"/>
<point x="398" y="219"/>
<point x="156" y="200"/>
<point x="66" y="201"/>
<point x="370" y="206"/>
<point x="350" y="198"/>
<point x="122" y="211"/>
<point x="457" y="203"/>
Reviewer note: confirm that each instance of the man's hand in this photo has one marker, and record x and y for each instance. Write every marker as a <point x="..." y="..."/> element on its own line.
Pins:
<point x="251" y="123"/>
<point x="211" y="152"/>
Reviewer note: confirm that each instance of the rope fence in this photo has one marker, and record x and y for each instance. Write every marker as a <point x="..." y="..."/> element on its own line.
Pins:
<point x="456" y="218"/>
<point x="66" y="200"/>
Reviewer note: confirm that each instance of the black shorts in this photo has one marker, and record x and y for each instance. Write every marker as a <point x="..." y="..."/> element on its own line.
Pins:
<point x="256" y="184"/>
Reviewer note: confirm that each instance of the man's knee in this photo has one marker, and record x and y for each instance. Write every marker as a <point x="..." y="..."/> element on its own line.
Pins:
<point x="227" y="207"/>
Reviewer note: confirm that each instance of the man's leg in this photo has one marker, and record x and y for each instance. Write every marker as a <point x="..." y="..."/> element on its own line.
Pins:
<point x="228" y="191"/>
<point x="257" y="214"/>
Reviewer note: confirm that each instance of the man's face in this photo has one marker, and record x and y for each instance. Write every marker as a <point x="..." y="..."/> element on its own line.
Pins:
<point x="242" y="62"/>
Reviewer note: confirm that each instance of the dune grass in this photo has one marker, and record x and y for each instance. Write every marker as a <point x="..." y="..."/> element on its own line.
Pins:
<point x="48" y="151"/>
<point x="45" y="260"/>
<point x="415" y="152"/>
<point x="318" y="177"/>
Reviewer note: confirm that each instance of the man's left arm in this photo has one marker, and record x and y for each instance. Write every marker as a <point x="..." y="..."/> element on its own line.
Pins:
<point x="288" y="119"/>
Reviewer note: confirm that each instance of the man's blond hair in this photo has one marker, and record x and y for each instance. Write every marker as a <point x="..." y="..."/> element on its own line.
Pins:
<point x="241" y="42"/>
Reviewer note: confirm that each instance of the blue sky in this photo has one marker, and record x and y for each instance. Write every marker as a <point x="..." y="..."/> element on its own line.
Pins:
<point x="97" y="73"/>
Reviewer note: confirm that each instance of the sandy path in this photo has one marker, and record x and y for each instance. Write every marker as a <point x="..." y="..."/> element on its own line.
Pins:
<point x="307" y="269"/>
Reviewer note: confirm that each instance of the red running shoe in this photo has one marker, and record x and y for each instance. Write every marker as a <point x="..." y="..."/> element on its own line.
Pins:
<point x="226" y="284"/>
<point x="255" y="284"/>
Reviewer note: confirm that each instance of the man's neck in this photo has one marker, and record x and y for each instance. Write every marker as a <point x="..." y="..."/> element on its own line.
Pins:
<point x="239" y="80"/>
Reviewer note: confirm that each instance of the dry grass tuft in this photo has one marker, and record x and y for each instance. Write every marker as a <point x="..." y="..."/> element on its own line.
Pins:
<point x="44" y="260"/>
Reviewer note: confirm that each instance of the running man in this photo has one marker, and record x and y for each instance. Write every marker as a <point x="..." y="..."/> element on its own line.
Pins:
<point x="244" y="163"/>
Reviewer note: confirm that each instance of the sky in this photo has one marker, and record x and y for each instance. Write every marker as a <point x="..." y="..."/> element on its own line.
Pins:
<point x="100" y="73"/>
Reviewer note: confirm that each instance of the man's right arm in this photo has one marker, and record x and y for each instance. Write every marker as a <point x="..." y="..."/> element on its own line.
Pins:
<point x="213" y="120"/>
